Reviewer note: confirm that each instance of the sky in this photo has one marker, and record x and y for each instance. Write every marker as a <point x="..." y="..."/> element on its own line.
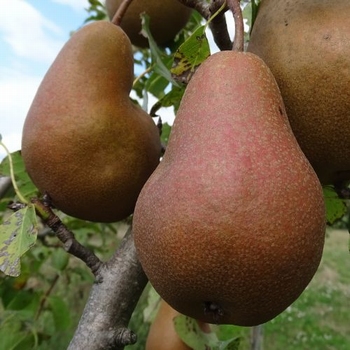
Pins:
<point x="32" y="32"/>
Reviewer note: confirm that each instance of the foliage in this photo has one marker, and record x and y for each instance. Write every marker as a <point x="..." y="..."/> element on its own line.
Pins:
<point x="320" y="317"/>
<point x="42" y="306"/>
<point x="195" y="338"/>
<point x="18" y="236"/>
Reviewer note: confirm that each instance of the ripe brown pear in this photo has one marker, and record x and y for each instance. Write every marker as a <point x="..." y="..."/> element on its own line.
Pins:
<point x="162" y="334"/>
<point x="84" y="142"/>
<point x="230" y="226"/>
<point x="306" y="45"/>
<point x="167" y="18"/>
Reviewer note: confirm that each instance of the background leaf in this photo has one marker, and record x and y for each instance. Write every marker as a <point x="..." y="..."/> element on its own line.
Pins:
<point x="172" y="98"/>
<point x="59" y="259"/>
<point x="18" y="234"/>
<point x="190" y="55"/>
<point x="60" y="311"/>
<point x="190" y="333"/>
<point x="160" y="59"/>
<point x="232" y="344"/>
<point x="24" y="183"/>
<point x="335" y="207"/>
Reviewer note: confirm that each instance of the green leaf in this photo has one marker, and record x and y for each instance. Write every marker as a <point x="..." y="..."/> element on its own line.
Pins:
<point x="232" y="344"/>
<point x="335" y="207"/>
<point x="24" y="183"/>
<point x="191" y="334"/>
<point x="160" y="59"/>
<point x="61" y="313"/>
<point x="190" y="55"/>
<point x="156" y="84"/>
<point x="18" y="234"/>
<point x="255" y="7"/>
<point x="11" y="335"/>
<point x="172" y="98"/>
<point x="192" y="52"/>
<point x="149" y="312"/>
<point x="59" y="259"/>
<point x="166" y="129"/>
<point x="96" y="10"/>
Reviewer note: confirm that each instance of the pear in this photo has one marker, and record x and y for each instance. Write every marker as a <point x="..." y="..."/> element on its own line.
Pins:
<point x="85" y="143"/>
<point x="167" y="18"/>
<point x="230" y="226"/>
<point x="162" y="334"/>
<point x="306" y="46"/>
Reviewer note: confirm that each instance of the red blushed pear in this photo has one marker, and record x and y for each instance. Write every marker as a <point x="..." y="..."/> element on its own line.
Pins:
<point x="230" y="226"/>
<point x="85" y="143"/>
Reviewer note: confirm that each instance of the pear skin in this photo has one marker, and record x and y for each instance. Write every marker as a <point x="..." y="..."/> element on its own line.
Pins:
<point x="306" y="45"/>
<point x="230" y="226"/>
<point x="85" y="143"/>
<point x="167" y="18"/>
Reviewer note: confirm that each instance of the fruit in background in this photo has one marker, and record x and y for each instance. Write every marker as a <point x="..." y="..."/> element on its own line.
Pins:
<point x="230" y="226"/>
<point x="306" y="46"/>
<point x="162" y="334"/>
<point x="84" y="142"/>
<point x="167" y="18"/>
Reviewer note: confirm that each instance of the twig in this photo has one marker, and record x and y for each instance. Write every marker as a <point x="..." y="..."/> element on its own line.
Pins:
<point x="111" y="303"/>
<point x="238" y="43"/>
<point x="71" y="245"/>
<point x="119" y="14"/>
<point x="218" y="25"/>
<point x="48" y="292"/>
<point x="200" y="6"/>
<point x="143" y="74"/>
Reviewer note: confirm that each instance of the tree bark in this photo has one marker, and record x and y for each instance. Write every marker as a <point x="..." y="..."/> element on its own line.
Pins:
<point x="256" y="338"/>
<point x="105" y="319"/>
<point x="5" y="184"/>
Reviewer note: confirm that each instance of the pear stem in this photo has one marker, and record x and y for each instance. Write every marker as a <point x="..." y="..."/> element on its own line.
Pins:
<point x="71" y="245"/>
<point x="119" y="14"/>
<point x="238" y="43"/>
<point x="149" y="69"/>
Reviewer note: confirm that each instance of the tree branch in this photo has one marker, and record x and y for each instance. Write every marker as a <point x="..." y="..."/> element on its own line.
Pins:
<point x="113" y="298"/>
<point x="5" y="184"/>
<point x="111" y="303"/>
<point x="121" y="10"/>
<point x="235" y="7"/>
<point x="218" y="25"/>
<point x="71" y="245"/>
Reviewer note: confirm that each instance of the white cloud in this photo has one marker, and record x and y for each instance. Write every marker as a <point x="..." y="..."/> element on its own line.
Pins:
<point x="28" y="32"/>
<point x="17" y="92"/>
<point x="76" y="5"/>
<point x="12" y="143"/>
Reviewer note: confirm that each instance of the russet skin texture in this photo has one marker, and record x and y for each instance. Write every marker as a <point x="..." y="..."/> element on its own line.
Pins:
<point x="230" y="227"/>
<point x="305" y="43"/>
<point x="167" y="18"/>
<point x="84" y="142"/>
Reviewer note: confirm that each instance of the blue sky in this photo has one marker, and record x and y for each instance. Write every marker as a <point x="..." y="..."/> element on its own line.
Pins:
<point x="31" y="34"/>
